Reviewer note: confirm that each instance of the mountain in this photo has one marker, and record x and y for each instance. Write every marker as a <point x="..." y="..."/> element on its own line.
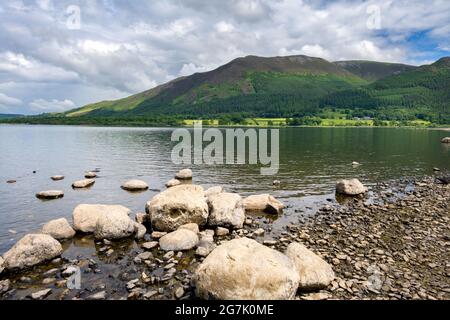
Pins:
<point x="306" y="77"/>
<point x="372" y="71"/>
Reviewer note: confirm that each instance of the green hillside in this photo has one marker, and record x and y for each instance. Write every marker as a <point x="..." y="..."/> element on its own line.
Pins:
<point x="372" y="71"/>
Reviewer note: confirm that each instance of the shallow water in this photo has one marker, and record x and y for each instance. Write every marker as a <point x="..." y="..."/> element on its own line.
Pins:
<point x="311" y="160"/>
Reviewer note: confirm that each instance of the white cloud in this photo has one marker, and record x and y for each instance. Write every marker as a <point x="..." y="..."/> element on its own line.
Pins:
<point x="7" y="103"/>
<point x="224" y="27"/>
<point x="42" y="105"/>
<point x="126" y="47"/>
<point x="29" y="69"/>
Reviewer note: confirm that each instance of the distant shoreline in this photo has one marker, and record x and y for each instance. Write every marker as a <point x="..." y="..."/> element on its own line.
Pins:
<point x="222" y="126"/>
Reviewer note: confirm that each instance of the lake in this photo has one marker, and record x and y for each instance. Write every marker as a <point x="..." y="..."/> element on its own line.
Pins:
<point x="311" y="161"/>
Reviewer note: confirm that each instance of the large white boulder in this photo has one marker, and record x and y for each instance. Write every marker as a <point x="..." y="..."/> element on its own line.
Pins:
<point x="352" y="187"/>
<point x="114" y="225"/>
<point x="314" y="272"/>
<point x="226" y="210"/>
<point x="85" y="216"/>
<point x="177" y="206"/>
<point x="263" y="203"/>
<point x="445" y="140"/>
<point x="243" y="269"/>
<point x="31" y="250"/>
<point x="182" y="239"/>
<point x="135" y="185"/>
<point x="58" y="229"/>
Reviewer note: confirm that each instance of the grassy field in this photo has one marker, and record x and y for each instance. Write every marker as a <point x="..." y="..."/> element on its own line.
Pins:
<point x="327" y="122"/>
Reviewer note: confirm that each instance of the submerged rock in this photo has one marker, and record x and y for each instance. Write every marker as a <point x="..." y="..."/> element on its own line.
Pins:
<point x="226" y="210"/>
<point x="50" y="194"/>
<point x="85" y="216"/>
<point x="11" y="181"/>
<point x="243" y="269"/>
<point x="445" y="140"/>
<point x="185" y="174"/>
<point x="80" y="184"/>
<point x="58" y="229"/>
<point x="177" y="206"/>
<point x="173" y="183"/>
<point x="263" y="203"/>
<point x="31" y="250"/>
<point x="180" y="240"/>
<point x="57" y="178"/>
<point x="314" y="272"/>
<point x="135" y="185"/>
<point x="351" y="187"/>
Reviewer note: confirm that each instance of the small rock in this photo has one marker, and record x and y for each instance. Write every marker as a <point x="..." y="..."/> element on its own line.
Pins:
<point x="150" y="245"/>
<point x="4" y="285"/>
<point x="50" y="194"/>
<point x="140" y="231"/>
<point x="263" y="203"/>
<point x="185" y="174"/>
<point x="351" y="187"/>
<point x="259" y="232"/>
<point x="220" y="232"/>
<point x="11" y="181"/>
<point x="135" y="185"/>
<point x="90" y="175"/>
<point x="179" y="292"/>
<point x="143" y="256"/>
<point x="57" y="178"/>
<point x="41" y="294"/>
<point x="150" y="294"/>
<point x="158" y="234"/>
<point x="173" y="183"/>
<point x="97" y="296"/>
<point x="81" y="184"/>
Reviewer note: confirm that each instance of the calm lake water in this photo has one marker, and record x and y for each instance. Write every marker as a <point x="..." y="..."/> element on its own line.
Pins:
<point x="311" y="161"/>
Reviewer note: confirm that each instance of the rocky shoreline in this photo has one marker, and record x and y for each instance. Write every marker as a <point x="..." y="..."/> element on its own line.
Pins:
<point x="391" y="244"/>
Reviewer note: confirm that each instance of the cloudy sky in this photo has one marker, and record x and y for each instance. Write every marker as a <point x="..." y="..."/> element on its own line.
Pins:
<point x="56" y="54"/>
